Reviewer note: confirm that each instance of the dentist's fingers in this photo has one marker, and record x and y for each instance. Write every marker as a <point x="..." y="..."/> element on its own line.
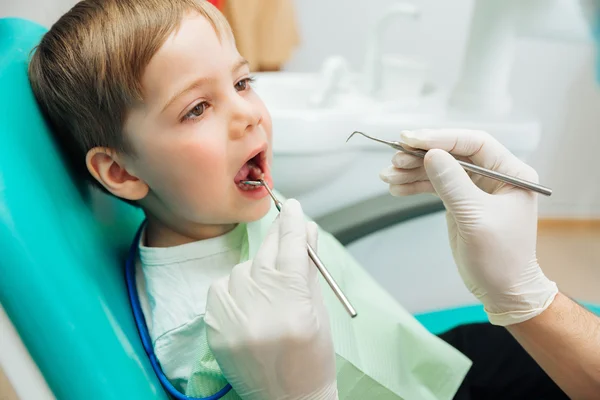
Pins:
<point x="265" y="259"/>
<point x="406" y="161"/>
<point x="410" y="189"/>
<point x="241" y="284"/>
<point x="397" y="176"/>
<point x="293" y="255"/>
<point x="220" y="306"/>
<point x="479" y="146"/>
<point x="312" y="234"/>
<point x="451" y="182"/>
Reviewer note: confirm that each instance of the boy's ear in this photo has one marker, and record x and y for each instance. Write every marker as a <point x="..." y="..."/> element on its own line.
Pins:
<point x="106" y="167"/>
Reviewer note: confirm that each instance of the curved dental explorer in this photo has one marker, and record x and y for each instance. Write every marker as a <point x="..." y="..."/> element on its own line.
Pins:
<point x="313" y="256"/>
<point x="511" y="180"/>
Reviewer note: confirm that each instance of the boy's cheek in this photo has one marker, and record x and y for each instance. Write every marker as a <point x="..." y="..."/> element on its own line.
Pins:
<point x="192" y="176"/>
<point x="201" y="157"/>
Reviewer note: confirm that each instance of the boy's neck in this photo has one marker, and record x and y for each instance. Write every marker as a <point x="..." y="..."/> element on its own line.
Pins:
<point x="158" y="234"/>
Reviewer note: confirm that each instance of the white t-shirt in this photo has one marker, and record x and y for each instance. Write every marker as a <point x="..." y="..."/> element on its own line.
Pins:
<point x="172" y="286"/>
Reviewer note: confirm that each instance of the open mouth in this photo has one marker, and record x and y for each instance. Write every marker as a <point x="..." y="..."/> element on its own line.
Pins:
<point x="253" y="170"/>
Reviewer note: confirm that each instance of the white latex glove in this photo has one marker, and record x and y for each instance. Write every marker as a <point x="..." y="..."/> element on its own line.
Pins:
<point x="492" y="226"/>
<point x="268" y="327"/>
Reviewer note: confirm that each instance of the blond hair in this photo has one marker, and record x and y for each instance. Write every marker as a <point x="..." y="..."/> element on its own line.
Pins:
<point x="87" y="69"/>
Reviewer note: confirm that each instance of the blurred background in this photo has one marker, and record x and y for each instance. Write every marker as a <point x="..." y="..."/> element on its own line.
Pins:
<point x="539" y="57"/>
<point x="525" y="71"/>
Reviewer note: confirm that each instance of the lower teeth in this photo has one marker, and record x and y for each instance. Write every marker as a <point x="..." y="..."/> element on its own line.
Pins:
<point x="243" y="186"/>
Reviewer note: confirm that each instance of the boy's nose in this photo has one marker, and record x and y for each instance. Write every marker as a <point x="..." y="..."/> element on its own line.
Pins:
<point x="245" y="117"/>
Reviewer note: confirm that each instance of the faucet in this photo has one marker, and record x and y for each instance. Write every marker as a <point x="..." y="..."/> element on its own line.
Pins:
<point x="373" y="63"/>
<point x="334" y="74"/>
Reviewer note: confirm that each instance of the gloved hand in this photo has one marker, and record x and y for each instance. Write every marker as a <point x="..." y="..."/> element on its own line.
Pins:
<point x="268" y="327"/>
<point x="492" y="226"/>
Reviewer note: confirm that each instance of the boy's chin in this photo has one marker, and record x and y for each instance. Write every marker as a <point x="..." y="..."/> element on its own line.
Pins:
<point x="256" y="211"/>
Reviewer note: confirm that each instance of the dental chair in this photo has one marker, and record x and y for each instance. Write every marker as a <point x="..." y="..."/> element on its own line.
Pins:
<point x="62" y="251"/>
<point x="63" y="248"/>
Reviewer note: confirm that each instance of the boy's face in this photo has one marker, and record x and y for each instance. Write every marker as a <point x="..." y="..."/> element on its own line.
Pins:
<point x="200" y="125"/>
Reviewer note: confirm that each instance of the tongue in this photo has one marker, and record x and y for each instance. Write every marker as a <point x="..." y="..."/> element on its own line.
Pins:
<point x="249" y="172"/>
<point x="242" y="174"/>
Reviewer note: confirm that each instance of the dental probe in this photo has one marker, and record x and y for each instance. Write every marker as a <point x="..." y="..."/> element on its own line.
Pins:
<point x="512" y="180"/>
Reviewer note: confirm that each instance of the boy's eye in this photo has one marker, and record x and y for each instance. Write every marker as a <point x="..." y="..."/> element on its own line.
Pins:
<point x="243" y="84"/>
<point x="197" y="111"/>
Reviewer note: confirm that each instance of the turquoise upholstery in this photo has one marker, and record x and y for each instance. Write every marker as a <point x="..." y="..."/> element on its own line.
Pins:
<point x="442" y="320"/>
<point x="61" y="278"/>
<point x="61" y="275"/>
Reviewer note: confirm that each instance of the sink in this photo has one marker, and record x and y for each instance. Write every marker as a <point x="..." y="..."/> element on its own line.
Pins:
<point x="309" y="150"/>
<point x="285" y="91"/>
<point x="309" y="141"/>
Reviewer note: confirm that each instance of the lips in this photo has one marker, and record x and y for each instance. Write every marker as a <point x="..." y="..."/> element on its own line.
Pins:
<point x="253" y="169"/>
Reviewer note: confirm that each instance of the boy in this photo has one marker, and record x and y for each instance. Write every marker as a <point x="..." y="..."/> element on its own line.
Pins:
<point x="151" y="99"/>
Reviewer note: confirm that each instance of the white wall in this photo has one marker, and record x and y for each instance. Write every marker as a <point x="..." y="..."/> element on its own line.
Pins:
<point x="341" y="27"/>
<point x="44" y="12"/>
<point x="556" y="82"/>
<point x="551" y="79"/>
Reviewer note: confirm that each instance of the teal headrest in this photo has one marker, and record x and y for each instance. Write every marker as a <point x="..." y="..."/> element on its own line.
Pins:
<point x="61" y="275"/>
